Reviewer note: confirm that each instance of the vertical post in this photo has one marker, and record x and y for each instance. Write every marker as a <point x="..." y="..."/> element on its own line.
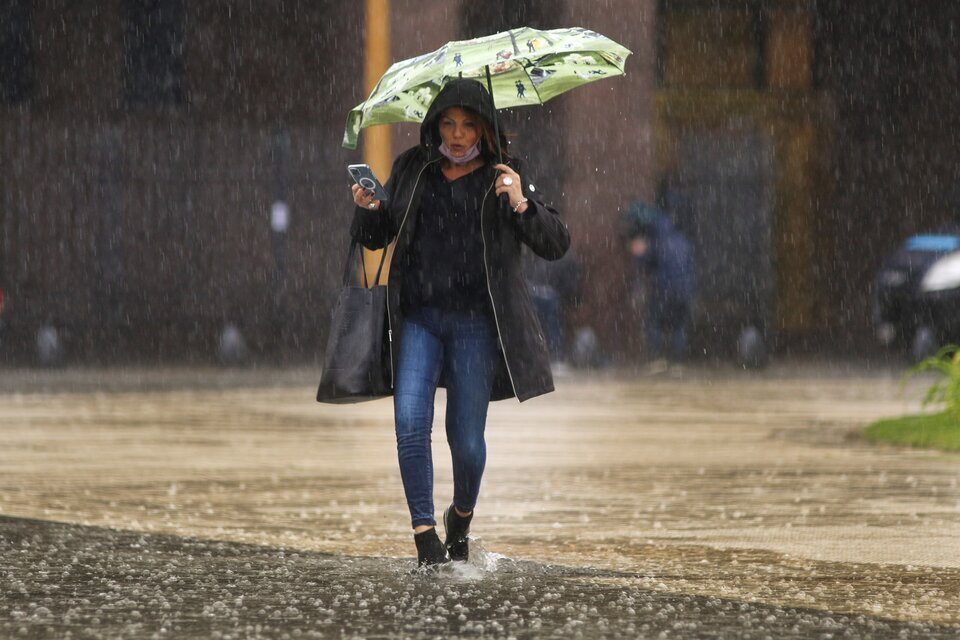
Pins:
<point x="376" y="140"/>
<point x="279" y="223"/>
<point x="660" y="44"/>
<point x="6" y="225"/>
<point x="758" y="19"/>
<point x="112" y="293"/>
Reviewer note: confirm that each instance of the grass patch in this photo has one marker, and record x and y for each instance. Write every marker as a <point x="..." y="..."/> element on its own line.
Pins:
<point x="929" y="430"/>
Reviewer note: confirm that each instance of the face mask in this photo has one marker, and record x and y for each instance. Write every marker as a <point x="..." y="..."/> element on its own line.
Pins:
<point x="465" y="158"/>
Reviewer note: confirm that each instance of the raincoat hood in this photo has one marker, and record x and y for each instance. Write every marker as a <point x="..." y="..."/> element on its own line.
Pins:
<point x="642" y="218"/>
<point x="464" y="93"/>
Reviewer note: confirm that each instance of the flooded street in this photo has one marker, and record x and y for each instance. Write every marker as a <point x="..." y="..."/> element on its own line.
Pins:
<point x="720" y="503"/>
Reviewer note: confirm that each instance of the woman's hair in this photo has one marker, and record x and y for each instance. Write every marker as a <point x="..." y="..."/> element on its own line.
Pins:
<point x="487" y="136"/>
<point x="488" y="139"/>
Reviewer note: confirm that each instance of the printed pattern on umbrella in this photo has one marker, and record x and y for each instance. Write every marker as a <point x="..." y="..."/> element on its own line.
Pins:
<point x="526" y="66"/>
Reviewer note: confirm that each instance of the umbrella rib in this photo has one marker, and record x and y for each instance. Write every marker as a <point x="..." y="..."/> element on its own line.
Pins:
<point x="533" y="85"/>
<point x="513" y="41"/>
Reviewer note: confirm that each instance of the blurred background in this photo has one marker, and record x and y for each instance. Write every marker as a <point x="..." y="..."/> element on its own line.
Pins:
<point x="173" y="186"/>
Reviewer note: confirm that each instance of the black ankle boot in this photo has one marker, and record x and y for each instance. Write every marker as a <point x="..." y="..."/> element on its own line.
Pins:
<point x="430" y="550"/>
<point x="457" y="527"/>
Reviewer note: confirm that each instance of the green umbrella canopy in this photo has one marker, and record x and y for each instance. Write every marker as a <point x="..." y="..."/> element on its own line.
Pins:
<point x="526" y="66"/>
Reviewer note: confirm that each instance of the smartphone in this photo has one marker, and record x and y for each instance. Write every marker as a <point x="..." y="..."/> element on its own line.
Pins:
<point x="362" y="174"/>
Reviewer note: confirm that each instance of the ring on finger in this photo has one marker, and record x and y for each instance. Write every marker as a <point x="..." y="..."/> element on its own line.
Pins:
<point x="507" y="181"/>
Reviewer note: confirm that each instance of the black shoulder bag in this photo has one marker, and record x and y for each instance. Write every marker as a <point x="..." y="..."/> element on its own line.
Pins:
<point x="356" y="364"/>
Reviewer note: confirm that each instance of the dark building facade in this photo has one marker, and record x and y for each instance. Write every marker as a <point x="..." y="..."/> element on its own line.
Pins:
<point x="811" y="138"/>
<point x="889" y="69"/>
<point x="146" y="143"/>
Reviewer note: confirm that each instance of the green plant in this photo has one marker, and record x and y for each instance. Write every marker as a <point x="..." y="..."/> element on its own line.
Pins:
<point x="931" y="430"/>
<point x="946" y="389"/>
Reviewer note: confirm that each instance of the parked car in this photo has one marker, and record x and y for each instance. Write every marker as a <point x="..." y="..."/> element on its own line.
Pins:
<point x="917" y="294"/>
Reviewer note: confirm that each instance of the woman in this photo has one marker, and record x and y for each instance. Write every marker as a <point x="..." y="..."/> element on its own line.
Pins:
<point x="458" y="308"/>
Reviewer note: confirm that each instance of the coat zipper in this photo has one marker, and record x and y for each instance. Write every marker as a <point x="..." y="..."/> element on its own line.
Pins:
<point x="399" y="231"/>
<point x="493" y="306"/>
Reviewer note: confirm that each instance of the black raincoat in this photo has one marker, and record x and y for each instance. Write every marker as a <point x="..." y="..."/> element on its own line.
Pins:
<point x="524" y="369"/>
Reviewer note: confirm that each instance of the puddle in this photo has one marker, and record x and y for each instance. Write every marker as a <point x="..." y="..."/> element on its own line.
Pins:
<point x="86" y="582"/>
<point x="740" y="489"/>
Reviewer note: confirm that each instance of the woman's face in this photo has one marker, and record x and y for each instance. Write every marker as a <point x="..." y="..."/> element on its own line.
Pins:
<point x="459" y="130"/>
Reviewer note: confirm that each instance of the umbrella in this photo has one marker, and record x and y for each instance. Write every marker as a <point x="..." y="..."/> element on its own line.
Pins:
<point x="521" y="66"/>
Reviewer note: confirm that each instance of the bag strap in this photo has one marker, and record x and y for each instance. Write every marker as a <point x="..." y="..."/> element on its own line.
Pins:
<point x="346" y="266"/>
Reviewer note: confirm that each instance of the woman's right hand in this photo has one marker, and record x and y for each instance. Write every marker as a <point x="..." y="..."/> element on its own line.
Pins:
<point x="363" y="198"/>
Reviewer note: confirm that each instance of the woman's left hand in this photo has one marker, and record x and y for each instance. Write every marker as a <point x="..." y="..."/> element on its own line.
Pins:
<point x="508" y="182"/>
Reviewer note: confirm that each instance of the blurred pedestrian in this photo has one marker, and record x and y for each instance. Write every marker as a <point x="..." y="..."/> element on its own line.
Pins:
<point x="664" y="260"/>
<point x="554" y="287"/>
<point x="459" y="314"/>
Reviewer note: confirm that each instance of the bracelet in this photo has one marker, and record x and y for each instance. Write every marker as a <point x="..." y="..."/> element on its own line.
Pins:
<point x="519" y="202"/>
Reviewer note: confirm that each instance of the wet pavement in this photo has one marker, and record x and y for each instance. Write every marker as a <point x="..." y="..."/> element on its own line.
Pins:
<point x="208" y="503"/>
<point x="87" y="582"/>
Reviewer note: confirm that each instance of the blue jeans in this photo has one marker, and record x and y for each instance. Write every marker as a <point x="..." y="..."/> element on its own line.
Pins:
<point x="667" y="321"/>
<point x="463" y="347"/>
<point x="546" y="301"/>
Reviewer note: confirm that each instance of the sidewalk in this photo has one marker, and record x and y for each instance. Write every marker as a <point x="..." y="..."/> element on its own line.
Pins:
<point x="751" y="488"/>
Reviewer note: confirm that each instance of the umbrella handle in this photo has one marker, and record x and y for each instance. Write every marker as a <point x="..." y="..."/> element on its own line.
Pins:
<point x="496" y="120"/>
